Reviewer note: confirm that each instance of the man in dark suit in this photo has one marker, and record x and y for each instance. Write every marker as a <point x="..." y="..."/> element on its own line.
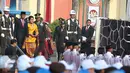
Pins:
<point x="59" y="37"/>
<point x="87" y="34"/>
<point x="21" y="29"/>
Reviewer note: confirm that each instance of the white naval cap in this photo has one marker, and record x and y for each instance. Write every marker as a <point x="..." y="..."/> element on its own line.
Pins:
<point x="118" y="65"/>
<point x="24" y="58"/>
<point x="23" y="62"/>
<point x="6" y="62"/>
<point x="40" y="61"/>
<point x="23" y="65"/>
<point x="101" y="64"/>
<point x="87" y="64"/>
<point x="67" y="66"/>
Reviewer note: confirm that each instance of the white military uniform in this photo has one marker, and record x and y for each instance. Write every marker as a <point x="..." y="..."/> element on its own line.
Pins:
<point x="67" y="56"/>
<point x="126" y="60"/>
<point x="109" y="58"/>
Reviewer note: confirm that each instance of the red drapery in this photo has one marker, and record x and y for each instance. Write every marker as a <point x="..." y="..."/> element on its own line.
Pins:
<point x="48" y="11"/>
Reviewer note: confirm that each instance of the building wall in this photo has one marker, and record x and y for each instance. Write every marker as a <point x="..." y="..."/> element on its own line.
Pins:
<point x="123" y="9"/>
<point x="117" y="9"/>
<point x="62" y="8"/>
<point x="29" y="5"/>
<point x="33" y="6"/>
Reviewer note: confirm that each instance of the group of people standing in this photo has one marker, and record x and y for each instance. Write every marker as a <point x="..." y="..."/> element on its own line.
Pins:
<point x="69" y="31"/>
<point x="32" y="36"/>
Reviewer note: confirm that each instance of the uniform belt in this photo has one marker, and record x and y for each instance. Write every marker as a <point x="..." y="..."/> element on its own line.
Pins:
<point x="69" y="32"/>
<point x="5" y="29"/>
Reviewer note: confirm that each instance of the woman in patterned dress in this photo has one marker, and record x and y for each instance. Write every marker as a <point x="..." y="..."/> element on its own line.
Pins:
<point x="30" y="41"/>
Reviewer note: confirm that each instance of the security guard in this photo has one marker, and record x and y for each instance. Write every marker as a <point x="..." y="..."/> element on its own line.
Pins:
<point x="73" y="29"/>
<point x="5" y="29"/>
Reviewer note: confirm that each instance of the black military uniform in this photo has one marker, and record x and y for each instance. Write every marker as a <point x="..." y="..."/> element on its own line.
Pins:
<point x="5" y="32"/>
<point x="38" y="15"/>
<point x="73" y="30"/>
<point x="41" y="30"/>
<point x="59" y="37"/>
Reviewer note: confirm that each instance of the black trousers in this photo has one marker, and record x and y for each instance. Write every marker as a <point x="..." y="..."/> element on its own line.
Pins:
<point x="85" y="47"/>
<point x="73" y="37"/>
<point x="4" y="42"/>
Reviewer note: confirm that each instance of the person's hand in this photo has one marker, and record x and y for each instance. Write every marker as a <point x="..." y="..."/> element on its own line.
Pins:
<point x="12" y="37"/>
<point x="35" y="35"/>
<point x="67" y="38"/>
<point x="9" y="29"/>
<point x="79" y="40"/>
<point x="2" y="35"/>
<point x="84" y="38"/>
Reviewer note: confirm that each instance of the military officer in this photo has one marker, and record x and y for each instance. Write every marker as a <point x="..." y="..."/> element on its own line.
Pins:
<point x="37" y="15"/>
<point x="73" y="29"/>
<point x="59" y="37"/>
<point x="5" y="30"/>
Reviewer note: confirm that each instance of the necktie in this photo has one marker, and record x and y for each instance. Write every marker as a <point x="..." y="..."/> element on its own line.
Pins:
<point x="86" y="28"/>
<point x="22" y="22"/>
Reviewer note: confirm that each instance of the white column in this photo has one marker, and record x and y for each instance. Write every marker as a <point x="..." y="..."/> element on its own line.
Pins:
<point x="38" y="6"/>
<point x="52" y="10"/>
<point x="97" y="38"/>
<point x="20" y="5"/>
<point x="3" y="4"/>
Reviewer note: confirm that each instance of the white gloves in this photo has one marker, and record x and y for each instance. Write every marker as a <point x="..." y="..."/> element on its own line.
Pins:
<point x="6" y="29"/>
<point x="67" y="38"/>
<point x="79" y="40"/>
<point x="47" y="38"/>
<point x="41" y="24"/>
<point x="9" y="29"/>
<point x="2" y="35"/>
<point x="84" y="38"/>
<point x="76" y="32"/>
<point x="12" y="37"/>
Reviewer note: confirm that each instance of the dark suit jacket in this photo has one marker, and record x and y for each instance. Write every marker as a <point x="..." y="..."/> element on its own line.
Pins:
<point x="13" y="29"/>
<point x="10" y="50"/>
<point x="88" y="33"/>
<point x="20" y="30"/>
<point x="59" y="37"/>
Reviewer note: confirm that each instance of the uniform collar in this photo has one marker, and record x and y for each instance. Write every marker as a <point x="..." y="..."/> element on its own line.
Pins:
<point x="7" y="15"/>
<point x="72" y="19"/>
<point x="109" y="54"/>
<point x="118" y="56"/>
